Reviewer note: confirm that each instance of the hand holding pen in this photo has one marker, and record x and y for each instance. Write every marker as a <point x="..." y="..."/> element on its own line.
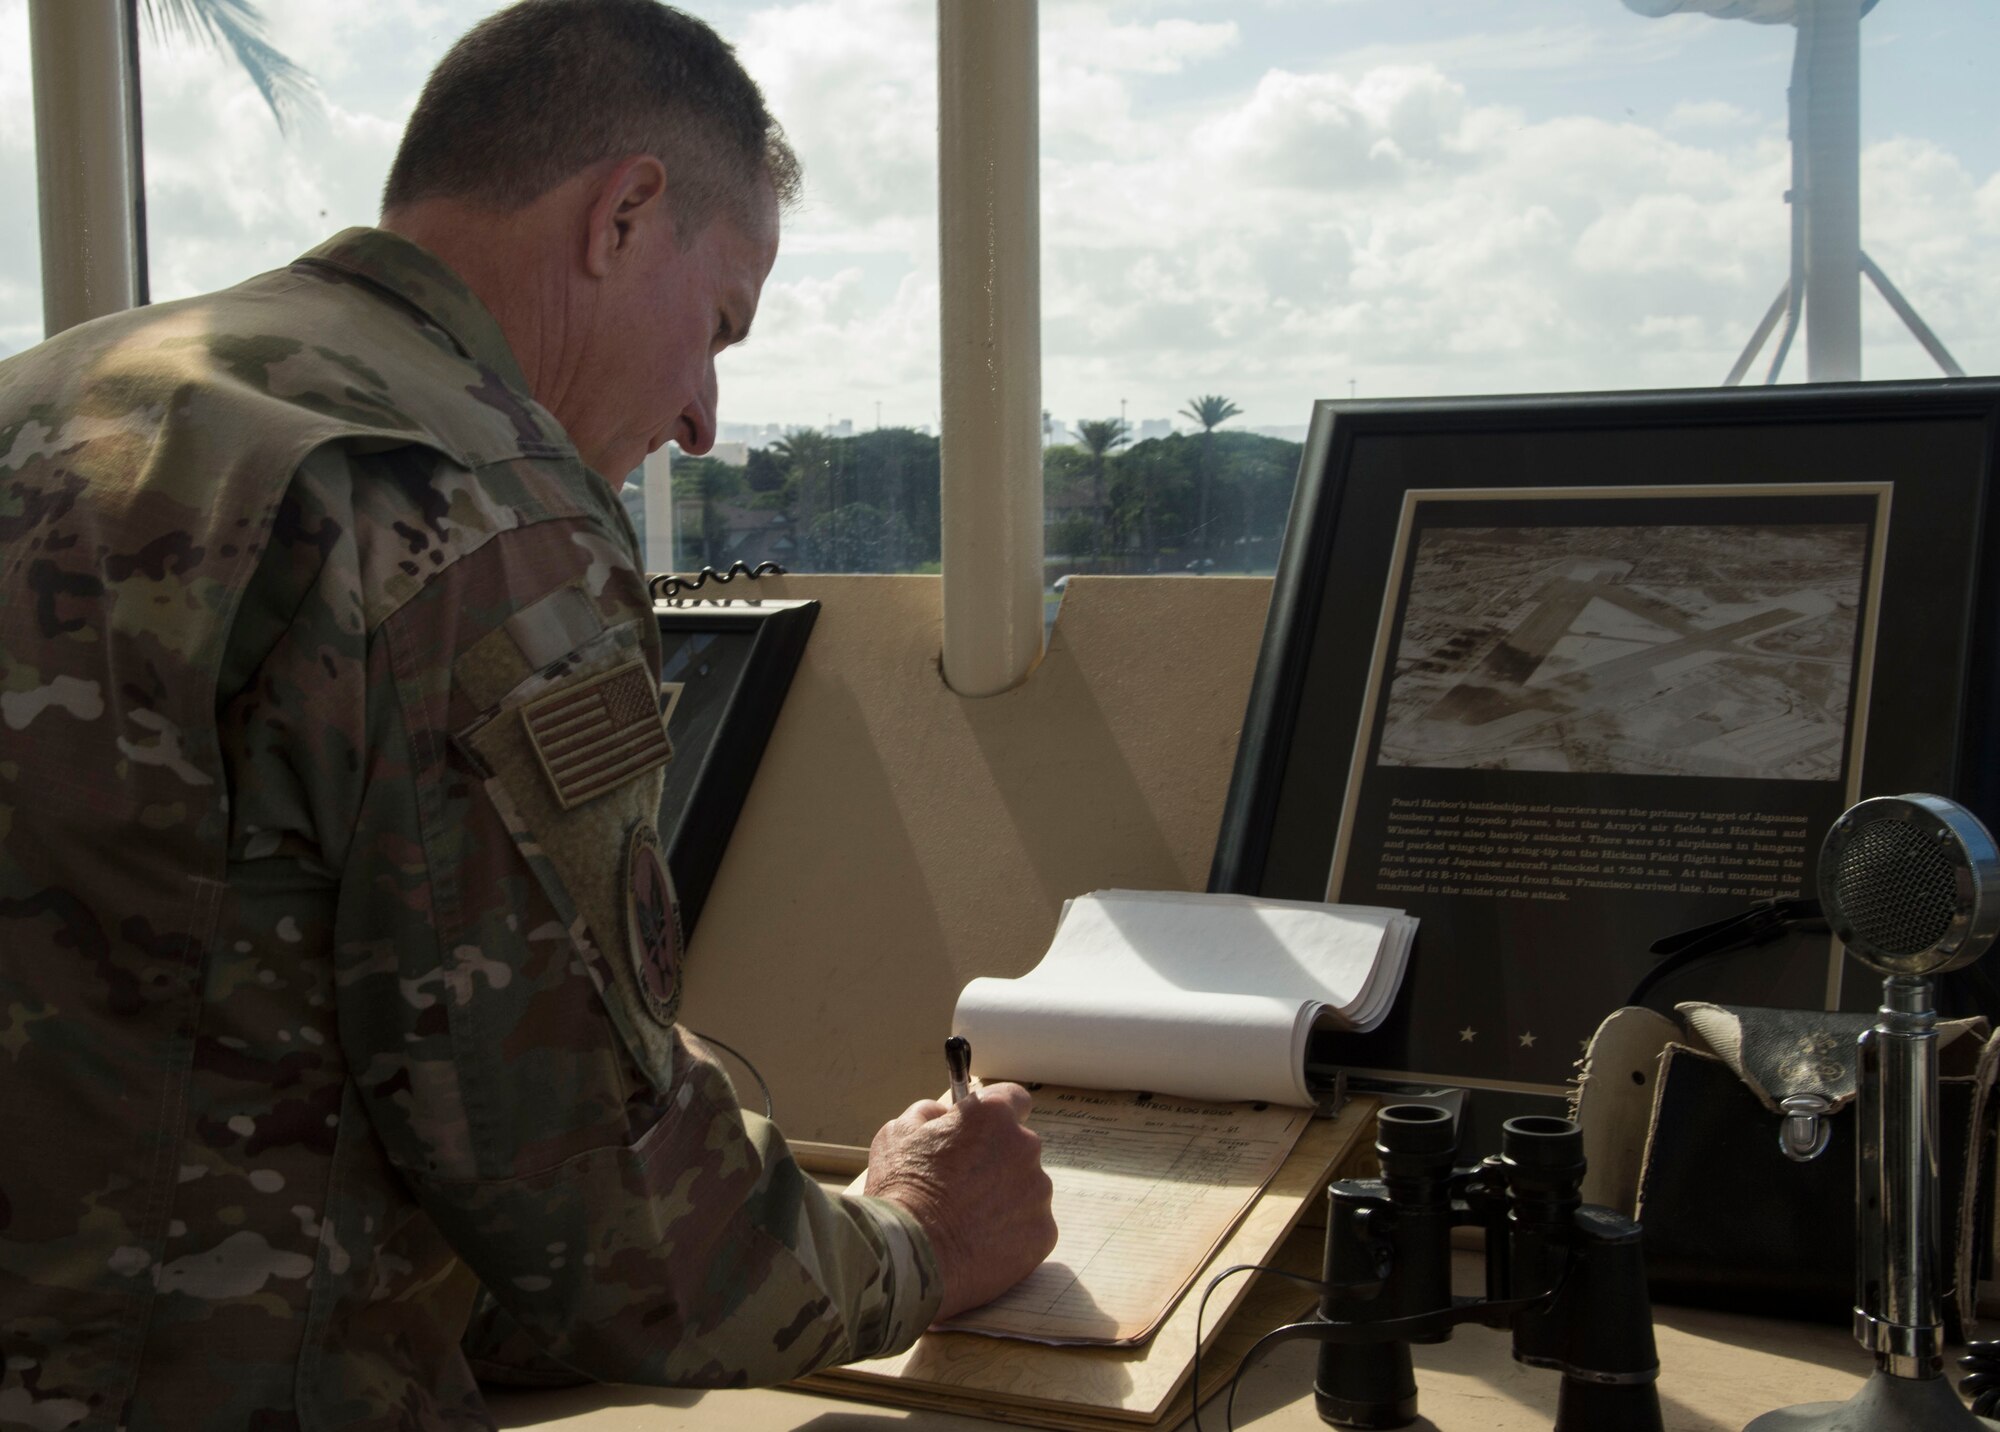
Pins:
<point x="958" y="1063"/>
<point x="974" y="1183"/>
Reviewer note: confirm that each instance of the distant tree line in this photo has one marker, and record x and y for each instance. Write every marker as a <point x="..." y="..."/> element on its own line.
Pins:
<point x="1212" y="501"/>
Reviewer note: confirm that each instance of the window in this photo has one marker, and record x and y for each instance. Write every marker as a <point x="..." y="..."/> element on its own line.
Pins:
<point x="846" y="338"/>
<point x="1256" y="206"/>
<point x="20" y="232"/>
<point x="1276" y="203"/>
<point x="828" y="451"/>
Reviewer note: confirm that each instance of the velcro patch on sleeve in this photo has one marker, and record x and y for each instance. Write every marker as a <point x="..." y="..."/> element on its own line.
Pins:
<point x="595" y="735"/>
<point x="653" y="923"/>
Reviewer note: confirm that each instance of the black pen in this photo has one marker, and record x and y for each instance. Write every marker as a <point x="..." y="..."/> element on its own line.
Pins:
<point x="958" y="1060"/>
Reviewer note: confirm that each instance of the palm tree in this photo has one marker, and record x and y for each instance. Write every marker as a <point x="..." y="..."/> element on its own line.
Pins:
<point x="1100" y="435"/>
<point x="1210" y="410"/>
<point x="808" y="455"/>
<point x="236" y="27"/>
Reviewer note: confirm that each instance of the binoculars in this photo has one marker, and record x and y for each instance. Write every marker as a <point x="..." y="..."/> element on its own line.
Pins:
<point x="1567" y="1279"/>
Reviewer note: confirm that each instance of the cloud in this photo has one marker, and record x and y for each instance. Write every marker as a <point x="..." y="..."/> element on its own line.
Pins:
<point x="1565" y="49"/>
<point x="854" y="82"/>
<point x="1382" y="223"/>
<point x="826" y="349"/>
<point x="1709" y="114"/>
<point x="1322" y="132"/>
<point x="1933" y="227"/>
<point x="17" y="111"/>
<point x="20" y="233"/>
<point x="227" y="195"/>
<point x="1088" y="36"/>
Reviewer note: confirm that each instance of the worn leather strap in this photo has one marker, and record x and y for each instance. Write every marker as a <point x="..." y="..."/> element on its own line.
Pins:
<point x="1762" y="923"/>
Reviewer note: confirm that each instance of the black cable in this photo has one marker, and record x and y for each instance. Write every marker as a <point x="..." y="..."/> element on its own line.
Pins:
<point x="1201" y="1314"/>
<point x="1763" y="922"/>
<point x="738" y="1056"/>
<point x="1320" y="1330"/>
<point x="1318" y="1285"/>
<point x="1283" y="1333"/>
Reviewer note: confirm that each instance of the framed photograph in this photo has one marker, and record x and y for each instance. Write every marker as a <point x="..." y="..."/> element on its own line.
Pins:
<point x="1563" y="676"/>
<point x="725" y="668"/>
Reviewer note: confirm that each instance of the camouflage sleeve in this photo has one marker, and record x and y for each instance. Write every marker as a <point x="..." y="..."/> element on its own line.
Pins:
<point x="501" y="1350"/>
<point x="509" y="1029"/>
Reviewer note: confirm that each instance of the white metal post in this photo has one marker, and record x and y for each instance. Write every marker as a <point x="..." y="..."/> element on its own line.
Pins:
<point x="1830" y="52"/>
<point x="989" y="274"/>
<point x="657" y="475"/>
<point x="86" y="158"/>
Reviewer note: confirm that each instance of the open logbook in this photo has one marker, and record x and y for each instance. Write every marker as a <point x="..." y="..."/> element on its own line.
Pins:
<point x="1099" y="1385"/>
<point x="1166" y="1036"/>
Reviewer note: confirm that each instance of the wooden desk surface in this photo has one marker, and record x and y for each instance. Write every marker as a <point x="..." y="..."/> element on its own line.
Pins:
<point x="1717" y="1371"/>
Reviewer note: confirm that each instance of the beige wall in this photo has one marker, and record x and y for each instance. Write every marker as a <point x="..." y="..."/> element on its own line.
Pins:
<point x="900" y="839"/>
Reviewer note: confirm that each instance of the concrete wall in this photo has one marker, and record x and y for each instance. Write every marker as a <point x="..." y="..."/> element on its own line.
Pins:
<point x="900" y="839"/>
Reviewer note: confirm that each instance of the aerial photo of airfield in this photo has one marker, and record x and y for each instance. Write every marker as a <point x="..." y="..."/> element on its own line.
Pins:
<point x="1678" y="651"/>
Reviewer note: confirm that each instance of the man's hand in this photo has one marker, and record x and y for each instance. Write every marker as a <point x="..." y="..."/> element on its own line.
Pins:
<point x="971" y="1175"/>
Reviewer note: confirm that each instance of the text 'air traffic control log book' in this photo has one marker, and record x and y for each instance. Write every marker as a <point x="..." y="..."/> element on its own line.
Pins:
<point x="1165" y="1038"/>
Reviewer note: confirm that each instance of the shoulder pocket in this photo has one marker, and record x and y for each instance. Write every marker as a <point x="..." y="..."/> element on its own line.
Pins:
<point x="573" y="758"/>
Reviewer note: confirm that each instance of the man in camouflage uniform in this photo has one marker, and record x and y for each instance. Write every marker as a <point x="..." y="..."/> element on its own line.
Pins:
<point x="337" y="965"/>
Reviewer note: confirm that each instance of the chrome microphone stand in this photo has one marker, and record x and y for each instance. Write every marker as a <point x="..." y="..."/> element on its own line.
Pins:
<point x="1909" y="884"/>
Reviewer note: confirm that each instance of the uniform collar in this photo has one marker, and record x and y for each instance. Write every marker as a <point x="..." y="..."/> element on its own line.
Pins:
<point x="424" y="281"/>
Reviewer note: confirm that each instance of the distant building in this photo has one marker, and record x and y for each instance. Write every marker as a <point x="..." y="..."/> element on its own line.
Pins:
<point x="1153" y="428"/>
<point x="751" y="435"/>
<point x="736" y="453"/>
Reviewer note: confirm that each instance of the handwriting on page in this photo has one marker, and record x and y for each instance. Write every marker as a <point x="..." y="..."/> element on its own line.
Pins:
<point x="1145" y="1189"/>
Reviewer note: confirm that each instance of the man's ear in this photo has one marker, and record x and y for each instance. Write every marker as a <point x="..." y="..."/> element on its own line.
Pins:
<point x="631" y="197"/>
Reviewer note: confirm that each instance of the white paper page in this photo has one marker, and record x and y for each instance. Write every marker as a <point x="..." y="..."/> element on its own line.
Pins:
<point x="1388" y="976"/>
<point x="1121" y="1036"/>
<point x="1226" y="944"/>
<point x="1205" y="996"/>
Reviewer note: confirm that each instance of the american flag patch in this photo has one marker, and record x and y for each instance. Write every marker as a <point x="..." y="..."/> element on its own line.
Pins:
<point x="599" y="734"/>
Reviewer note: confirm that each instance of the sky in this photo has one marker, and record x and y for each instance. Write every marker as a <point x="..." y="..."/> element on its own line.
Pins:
<point x="1272" y="200"/>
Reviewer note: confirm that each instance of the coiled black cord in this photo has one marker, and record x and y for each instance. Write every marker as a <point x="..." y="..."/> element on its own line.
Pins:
<point x="1981" y="1383"/>
<point x="668" y="585"/>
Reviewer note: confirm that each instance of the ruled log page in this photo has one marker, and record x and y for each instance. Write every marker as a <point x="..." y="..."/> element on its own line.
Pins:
<point x="1145" y="1190"/>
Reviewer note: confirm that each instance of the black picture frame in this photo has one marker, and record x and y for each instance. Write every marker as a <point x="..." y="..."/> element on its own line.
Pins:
<point x="733" y="663"/>
<point x="1412" y="517"/>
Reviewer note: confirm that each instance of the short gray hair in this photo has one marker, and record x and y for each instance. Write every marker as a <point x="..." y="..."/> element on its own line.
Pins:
<point x="540" y="91"/>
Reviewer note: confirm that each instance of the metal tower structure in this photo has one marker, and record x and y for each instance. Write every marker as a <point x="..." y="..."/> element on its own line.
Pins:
<point x="1824" y="287"/>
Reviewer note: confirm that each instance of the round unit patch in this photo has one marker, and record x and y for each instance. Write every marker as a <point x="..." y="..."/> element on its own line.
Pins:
<point x="653" y="923"/>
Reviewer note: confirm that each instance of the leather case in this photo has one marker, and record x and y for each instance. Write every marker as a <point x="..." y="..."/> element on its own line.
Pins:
<point x="1682" y="1124"/>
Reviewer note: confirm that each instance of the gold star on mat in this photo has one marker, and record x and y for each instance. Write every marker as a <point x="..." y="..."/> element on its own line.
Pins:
<point x="1467" y="1035"/>
<point x="1528" y="1041"/>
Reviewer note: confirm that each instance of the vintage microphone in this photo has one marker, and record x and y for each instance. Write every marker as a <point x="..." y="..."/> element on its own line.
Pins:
<point x="1911" y="886"/>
